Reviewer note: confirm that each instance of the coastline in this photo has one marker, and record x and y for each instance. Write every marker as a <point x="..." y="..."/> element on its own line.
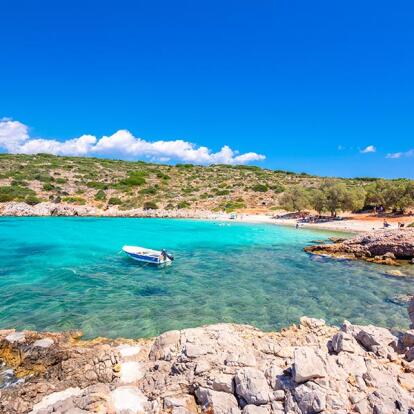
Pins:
<point x="350" y="224"/>
<point x="222" y="368"/>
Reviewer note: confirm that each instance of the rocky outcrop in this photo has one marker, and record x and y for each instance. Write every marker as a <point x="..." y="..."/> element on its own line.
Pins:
<point x="221" y="369"/>
<point x="384" y="247"/>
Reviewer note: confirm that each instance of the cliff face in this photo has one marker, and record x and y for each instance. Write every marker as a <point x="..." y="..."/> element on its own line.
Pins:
<point x="384" y="246"/>
<point x="222" y="369"/>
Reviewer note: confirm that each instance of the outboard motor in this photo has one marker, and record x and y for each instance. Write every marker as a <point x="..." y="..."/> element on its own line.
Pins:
<point x="166" y="254"/>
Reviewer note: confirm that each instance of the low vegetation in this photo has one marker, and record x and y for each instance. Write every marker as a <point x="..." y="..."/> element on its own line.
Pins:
<point x="103" y="182"/>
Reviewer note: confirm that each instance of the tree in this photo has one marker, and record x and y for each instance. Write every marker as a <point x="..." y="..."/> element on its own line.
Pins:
<point x="394" y="195"/>
<point x="318" y="200"/>
<point x="355" y="199"/>
<point x="333" y="196"/>
<point x="295" y="199"/>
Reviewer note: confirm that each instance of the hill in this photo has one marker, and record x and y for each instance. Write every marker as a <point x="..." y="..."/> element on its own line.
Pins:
<point x="103" y="182"/>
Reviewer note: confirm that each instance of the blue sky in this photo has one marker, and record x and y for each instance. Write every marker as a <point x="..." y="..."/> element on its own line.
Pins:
<point x="308" y="85"/>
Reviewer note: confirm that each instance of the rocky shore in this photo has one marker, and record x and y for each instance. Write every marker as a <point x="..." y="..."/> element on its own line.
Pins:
<point x="14" y="209"/>
<point x="384" y="247"/>
<point x="221" y="369"/>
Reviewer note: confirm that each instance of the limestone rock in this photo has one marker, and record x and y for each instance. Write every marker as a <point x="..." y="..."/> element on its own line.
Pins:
<point x="223" y="368"/>
<point x="382" y="246"/>
<point x="252" y="386"/>
<point x="310" y="399"/>
<point x="218" y="402"/>
<point x="308" y="364"/>
<point x="372" y="338"/>
<point x="128" y="400"/>
<point x="53" y="398"/>
<point x="408" y="338"/>
<point x="254" y="409"/>
<point x="311" y="323"/>
<point x="344" y="342"/>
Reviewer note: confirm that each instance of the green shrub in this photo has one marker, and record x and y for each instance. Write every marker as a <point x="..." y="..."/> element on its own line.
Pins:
<point x="222" y="192"/>
<point x="232" y="206"/>
<point x="100" y="195"/>
<point x="114" y="201"/>
<point x="183" y="204"/>
<point x="134" y="179"/>
<point x="74" y="200"/>
<point x="411" y="225"/>
<point x="247" y="167"/>
<point x="97" y="185"/>
<point x="277" y="188"/>
<point x="32" y="200"/>
<point x="260" y="188"/>
<point x="15" y="193"/>
<point x="43" y="178"/>
<point x="61" y="180"/>
<point x="149" y="190"/>
<point x="188" y="190"/>
<point x="48" y="187"/>
<point x="20" y="183"/>
<point x="162" y="176"/>
<point x="150" y="205"/>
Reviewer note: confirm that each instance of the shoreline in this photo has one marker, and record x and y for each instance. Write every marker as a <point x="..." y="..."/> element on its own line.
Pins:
<point x="350" y="224"/>
<point x="223" y="368"/>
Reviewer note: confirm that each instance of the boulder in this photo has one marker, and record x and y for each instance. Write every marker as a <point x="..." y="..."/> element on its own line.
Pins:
<point x="407" y="339"/>
<point x="252" y="386"/>
<point x="344" y="342"/>
<point x="223" y="382"/>
<point x="218" y="402"/>
<point x="184" y="401"/>
<point x="310" y="398"/>
<point x="372" y="338"/>
<point x="164" y="345"/>
<point x="254" y="409"/>
<point x="309" y="363"/>
<point x="311" y="323"/>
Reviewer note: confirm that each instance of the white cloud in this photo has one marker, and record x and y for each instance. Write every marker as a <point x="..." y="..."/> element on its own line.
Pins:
<point x="396" y="155"/>
<point x="12" y="134"/>
<point x="15" y="138"/>
<point x="368" y="149"/>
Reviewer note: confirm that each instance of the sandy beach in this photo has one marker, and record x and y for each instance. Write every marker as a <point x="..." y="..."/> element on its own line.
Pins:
<point x="353" y="223"/>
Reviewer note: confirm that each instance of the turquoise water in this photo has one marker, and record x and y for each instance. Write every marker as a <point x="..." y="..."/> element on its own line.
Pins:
<point x="69" y="273"/>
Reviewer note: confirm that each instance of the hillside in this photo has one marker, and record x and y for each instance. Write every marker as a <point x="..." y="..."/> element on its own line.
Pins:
<point x="103" y="182"/>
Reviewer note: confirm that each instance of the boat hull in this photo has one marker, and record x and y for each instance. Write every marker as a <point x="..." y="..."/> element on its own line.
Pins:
<point x="143" y="255"/>
<point x="146" y="259"/>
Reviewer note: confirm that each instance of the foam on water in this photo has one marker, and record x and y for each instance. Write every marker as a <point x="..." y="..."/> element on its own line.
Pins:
<point x="69" y="273"/>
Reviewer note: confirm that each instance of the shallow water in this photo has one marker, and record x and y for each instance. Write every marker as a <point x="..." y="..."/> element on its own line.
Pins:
<point x="69" y="273"/>
<point x="7" y="376"/>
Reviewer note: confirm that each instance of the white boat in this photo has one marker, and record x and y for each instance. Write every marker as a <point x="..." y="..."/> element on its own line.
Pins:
<point x="141" y="254"/>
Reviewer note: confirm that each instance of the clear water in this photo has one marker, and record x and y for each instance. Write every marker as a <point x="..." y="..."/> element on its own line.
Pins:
<point x="69" y="273"/>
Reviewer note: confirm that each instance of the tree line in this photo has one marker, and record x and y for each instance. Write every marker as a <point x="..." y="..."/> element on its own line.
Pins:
<point x="332" y="196"/>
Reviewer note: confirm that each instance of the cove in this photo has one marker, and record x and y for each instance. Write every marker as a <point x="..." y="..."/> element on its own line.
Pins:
<point x="69" y="273"/>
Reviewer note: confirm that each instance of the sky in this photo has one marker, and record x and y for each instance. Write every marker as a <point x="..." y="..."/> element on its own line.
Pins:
<point x="321" y="87"/>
